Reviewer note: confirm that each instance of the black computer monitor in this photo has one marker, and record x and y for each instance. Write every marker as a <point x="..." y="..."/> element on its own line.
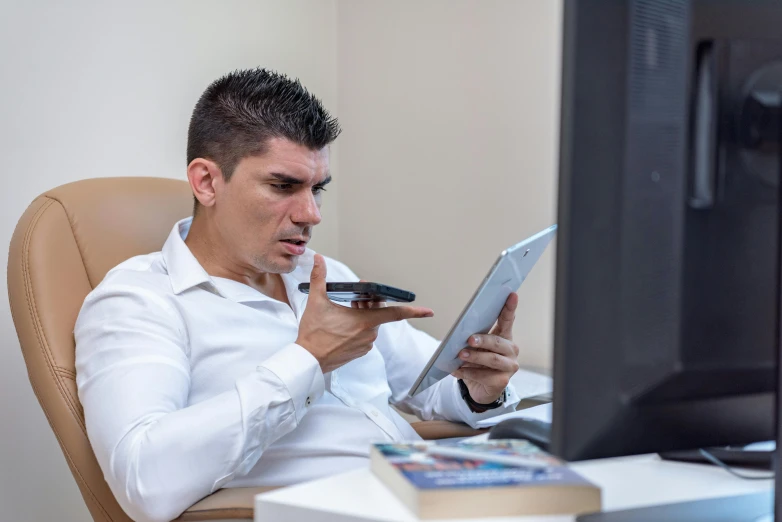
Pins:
<point x="667" y="310"/>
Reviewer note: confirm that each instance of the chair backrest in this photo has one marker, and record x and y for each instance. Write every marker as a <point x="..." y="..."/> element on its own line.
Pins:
<point x="65" y="242"/>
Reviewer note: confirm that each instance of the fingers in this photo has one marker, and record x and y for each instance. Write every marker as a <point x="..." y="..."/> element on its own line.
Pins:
<point x="375" y="313"/>
<point x="364" y="305"/>
<point x="494" y="343"/>
<point x="504" y="325"/>
<point x="390" y="314"/>
<point x="367" y="305"/>
<point x="318" y="278"/>
<point x="487" y="377"/>
<point x="490" y="360"/>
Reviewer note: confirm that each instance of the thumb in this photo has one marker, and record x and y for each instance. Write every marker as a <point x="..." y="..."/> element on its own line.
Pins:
<point x="318" y="277"/>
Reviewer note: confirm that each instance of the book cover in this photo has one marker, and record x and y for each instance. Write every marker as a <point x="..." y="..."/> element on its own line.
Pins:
<point x="440" y="486"/>
<point x="429" y="471"/>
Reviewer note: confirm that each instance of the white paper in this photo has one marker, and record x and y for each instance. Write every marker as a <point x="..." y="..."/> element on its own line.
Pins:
<point x="541" y="413"/>
<point x="531" y="384"/>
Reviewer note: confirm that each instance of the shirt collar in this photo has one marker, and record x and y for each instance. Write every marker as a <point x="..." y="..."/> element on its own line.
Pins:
<point x="186" y="272"/>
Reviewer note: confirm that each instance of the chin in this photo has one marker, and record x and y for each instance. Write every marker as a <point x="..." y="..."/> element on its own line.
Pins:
<point x="293" y="262"/>
<point x="281" y="265"/>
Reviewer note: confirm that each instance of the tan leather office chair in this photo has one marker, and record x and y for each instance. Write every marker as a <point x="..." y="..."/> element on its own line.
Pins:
<point x="63" y="245"/>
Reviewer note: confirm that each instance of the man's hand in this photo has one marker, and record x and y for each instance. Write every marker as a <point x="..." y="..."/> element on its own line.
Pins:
<point x="336" y="334"/>
<point x="490" y="361"/>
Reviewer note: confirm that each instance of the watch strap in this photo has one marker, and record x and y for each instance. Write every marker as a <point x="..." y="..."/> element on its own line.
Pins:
<point x="477" y="407"/>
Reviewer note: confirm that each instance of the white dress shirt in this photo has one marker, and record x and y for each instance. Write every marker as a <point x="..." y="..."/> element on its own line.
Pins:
<point x="191" y="383"/>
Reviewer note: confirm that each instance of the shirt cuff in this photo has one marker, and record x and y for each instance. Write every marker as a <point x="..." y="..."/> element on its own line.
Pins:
<point x="300" y="373"/>
<point x="463" y="411"/>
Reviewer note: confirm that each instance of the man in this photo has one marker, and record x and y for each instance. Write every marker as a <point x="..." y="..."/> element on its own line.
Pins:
<point x="201" y="366"/>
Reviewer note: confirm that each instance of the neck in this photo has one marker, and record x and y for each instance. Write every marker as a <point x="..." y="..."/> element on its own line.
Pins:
<point x="213" y="255"/>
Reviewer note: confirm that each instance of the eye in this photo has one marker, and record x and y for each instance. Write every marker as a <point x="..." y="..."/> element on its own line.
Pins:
<point x="318" y="190"/>
<point x="283" y="186"/>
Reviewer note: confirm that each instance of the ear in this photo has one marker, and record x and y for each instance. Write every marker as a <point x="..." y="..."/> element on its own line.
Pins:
<point x="203" y="175"/>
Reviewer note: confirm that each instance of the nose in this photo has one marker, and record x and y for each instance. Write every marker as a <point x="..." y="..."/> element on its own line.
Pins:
<point x="307" y="211"/>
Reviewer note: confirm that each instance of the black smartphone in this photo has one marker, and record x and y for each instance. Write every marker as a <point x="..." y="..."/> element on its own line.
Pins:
<point x="347" y="292"/>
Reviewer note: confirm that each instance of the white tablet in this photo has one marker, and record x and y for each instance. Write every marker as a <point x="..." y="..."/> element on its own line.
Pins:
<point x="509" y="271"/>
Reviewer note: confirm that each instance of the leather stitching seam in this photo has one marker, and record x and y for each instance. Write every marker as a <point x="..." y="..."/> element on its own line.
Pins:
<point x="65" y="372"/>
<point x="75" y="239"/>
<point x="44" y="346"/>
<point x="37" y="323"/>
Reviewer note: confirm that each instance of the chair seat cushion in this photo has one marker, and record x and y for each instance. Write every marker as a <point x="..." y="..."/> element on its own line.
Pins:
<point x="228" y="503"/>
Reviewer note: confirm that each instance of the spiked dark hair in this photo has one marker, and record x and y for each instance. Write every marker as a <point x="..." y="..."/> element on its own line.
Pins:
<point x="238" y="113"/>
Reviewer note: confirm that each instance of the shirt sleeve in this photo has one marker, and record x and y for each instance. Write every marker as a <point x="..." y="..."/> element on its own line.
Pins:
<point x="159" y="454"/>
<point x="406" y="350"/>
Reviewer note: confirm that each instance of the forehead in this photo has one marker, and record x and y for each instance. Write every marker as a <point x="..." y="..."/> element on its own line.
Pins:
<point x="283" y="156"/>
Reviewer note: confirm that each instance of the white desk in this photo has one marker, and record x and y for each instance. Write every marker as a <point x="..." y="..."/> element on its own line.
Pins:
<point x="627" y="482"/>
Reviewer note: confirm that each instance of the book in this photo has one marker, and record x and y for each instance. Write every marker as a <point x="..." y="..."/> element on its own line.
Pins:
<point x="504" y="478"/>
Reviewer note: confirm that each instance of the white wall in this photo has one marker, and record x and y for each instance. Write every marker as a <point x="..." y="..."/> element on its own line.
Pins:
<point x="449" y="153"/>
<point x="92" y="89"/>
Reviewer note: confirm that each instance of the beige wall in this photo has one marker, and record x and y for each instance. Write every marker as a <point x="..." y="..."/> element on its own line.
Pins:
<point x="106" y="89"/>
<point x="449" y="154"/>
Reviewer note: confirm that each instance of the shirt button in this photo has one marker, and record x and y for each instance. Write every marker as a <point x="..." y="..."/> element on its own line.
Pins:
<point x="308" y="402"/>
<point x="374" y="412"/>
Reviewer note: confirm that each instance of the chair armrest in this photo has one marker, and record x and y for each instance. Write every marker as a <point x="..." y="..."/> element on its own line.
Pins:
<point x="440" y="429"/>
<point x="228" y="503"/>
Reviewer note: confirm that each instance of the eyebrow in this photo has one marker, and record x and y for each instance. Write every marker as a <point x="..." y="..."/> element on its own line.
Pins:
<point x="295" y="181"/>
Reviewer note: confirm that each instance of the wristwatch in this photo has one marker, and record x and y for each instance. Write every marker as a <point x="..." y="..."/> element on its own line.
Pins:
<point x="477" y="407"/>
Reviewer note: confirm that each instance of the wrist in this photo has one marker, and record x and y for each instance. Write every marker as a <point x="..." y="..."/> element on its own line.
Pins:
<point x="304" y="343"/>
<point x="477" y="407"/>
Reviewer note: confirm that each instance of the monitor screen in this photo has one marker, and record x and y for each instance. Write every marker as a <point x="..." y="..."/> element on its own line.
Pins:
<point x="667" y="291"/>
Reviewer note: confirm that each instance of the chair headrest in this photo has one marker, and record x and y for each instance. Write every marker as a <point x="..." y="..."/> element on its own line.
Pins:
<point x="114" y="219"/>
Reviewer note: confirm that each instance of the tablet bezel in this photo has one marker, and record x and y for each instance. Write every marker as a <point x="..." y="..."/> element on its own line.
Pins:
<point x="538" y="242"/>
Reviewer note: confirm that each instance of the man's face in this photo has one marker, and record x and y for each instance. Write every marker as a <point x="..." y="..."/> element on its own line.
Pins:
<point x="266" y="212"/>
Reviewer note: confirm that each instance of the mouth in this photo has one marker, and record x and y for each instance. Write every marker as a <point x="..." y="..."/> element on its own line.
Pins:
<point x="295" y="241"/>
<point x="294" y="246"/>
